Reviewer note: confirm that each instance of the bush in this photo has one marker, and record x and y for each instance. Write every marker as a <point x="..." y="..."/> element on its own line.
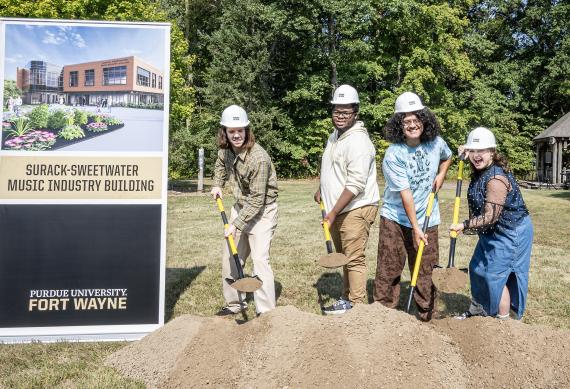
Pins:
<point x="71" y="132"/>
<point x="112" y="121"/>
<point x="39" y="116"/>
<point x="57" y="120"/>
<point x="80" y="117"/>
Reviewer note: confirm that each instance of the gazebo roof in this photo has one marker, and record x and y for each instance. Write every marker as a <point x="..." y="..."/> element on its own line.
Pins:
<point x="560" y="129"/>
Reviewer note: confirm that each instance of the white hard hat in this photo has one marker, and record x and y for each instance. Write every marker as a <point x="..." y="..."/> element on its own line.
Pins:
<point x="408" y="102"/>
<point x="234" y="116"/>
<point x="345" y="94"/>
<point x="480" y="138"/>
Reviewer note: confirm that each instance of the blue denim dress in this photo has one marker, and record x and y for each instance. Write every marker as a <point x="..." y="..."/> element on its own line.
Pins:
<point x="502" y="254"/>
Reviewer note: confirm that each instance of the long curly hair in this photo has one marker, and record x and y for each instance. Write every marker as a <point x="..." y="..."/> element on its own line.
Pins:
<point x="394" y="129"/>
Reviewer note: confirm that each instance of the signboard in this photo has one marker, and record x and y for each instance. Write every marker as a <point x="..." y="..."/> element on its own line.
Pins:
<point x="83" y="179"/>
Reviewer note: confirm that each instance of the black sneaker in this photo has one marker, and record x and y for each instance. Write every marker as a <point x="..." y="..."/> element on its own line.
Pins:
<point x="227" y="311"/>
<point x="338" y="307"/>
<point x="464" y="315"/>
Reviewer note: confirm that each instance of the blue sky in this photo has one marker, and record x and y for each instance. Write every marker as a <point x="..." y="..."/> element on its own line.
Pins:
<point x="71" y="44"/>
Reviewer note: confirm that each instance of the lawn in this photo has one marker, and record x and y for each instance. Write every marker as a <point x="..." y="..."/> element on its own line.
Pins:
<point x="194" y="282"/>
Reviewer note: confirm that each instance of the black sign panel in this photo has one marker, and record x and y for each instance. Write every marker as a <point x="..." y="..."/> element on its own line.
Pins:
<point x="68" y="265"/>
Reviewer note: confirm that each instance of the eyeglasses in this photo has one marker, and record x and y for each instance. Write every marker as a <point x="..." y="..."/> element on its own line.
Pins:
<point x="342" y="114"/>
<point x="411" y="122"/>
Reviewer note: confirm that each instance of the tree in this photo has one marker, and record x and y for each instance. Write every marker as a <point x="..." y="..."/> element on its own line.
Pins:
<point x="10" y="90"/>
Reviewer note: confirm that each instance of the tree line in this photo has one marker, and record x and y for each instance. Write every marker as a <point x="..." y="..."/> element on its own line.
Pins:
<point x="504" y="64"/>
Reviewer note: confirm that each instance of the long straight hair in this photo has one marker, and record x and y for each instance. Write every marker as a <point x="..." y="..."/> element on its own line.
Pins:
<point x="224" y="143"/>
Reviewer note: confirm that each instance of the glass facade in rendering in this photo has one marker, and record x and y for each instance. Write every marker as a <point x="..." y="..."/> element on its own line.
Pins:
<point x="42" y="82"/>
<point x="116" y="75"/>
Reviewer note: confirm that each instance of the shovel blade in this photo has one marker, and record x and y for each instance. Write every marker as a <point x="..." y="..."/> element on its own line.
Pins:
<point x="449" y="280"/>
<point x="333" y="260"/>
<point x="247" y="284"/>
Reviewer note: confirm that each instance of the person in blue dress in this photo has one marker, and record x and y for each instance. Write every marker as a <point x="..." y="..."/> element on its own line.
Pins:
<point x="499" y="268"/>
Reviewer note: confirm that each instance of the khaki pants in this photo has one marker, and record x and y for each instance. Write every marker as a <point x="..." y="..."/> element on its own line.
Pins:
<point x="350" y="234"/>
<point x="254" y="241"/>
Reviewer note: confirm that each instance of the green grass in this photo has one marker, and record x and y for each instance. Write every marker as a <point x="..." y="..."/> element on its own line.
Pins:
<point x="193" y="282"/>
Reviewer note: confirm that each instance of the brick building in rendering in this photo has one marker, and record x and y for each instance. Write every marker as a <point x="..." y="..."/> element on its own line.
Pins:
<point x="123" y="81"/>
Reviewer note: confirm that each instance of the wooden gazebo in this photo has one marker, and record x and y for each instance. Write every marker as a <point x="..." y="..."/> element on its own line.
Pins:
<point x="551" y="167"/>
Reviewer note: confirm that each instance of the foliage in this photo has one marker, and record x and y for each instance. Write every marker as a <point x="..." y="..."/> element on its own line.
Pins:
<point x="57" y="119"/>
<point x="97" y="127"/>
<point x="112" y="121"/>
<point x="504" y="64"/>
<point x="32" y="141"/>
<point x="20" y="126"/>
<point x="80" y="117"/>
<point x="10" y="89"/>
<point x="70" y="132"/>
<point x="39" y="116"/>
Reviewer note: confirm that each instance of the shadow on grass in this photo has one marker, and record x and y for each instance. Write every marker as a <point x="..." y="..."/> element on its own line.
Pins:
<point x="329" y="286"/>
<point x="561" y="195"/>
<point x="177" y="280"/>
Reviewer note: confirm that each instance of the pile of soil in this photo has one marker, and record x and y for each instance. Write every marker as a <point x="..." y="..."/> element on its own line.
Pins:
<point x="369" y="346"/>
<point x="449" y="280"/>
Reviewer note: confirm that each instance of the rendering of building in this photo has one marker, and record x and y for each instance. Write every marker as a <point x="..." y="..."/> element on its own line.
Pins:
<point x="122" y="80"/>
<point x="119" y="81"/>
<point x="41" y="82"/>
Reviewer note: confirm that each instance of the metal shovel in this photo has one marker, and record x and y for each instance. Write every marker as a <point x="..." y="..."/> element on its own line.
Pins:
<point x="452" y="279"/>
<point x="332" y="259"/>
<point x="243" y="283"/>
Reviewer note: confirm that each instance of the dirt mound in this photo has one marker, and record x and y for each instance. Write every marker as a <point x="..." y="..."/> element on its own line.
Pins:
<point x="449" y="280"/>
<point x="370" y="346"/>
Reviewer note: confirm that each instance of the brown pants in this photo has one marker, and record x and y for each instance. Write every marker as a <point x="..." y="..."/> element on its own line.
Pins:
<point x="350" y="233"/>
<point x="394" y="245"/>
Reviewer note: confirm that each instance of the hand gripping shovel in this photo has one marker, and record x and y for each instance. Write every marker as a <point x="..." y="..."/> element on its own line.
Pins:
<point x="451" y="279"/>
<point x="243" y="283"/>
<point x="332" y="259"/>
<point x="420" y="252"/>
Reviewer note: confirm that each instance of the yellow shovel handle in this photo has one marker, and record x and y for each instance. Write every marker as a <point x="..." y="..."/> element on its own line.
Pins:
<point x="422" y="244"/>
<point x="457" y="197"/>
<point x="226" y="225"/>
<point x="325" y="223"/>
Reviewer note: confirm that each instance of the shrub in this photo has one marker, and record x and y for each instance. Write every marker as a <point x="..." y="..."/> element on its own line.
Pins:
<point x="112" y="121"/>
<point x="20" y="126"/>
<point x="71" y="132"/>
<point x="80" y="117"/>
<point x="39" y="116"/>
<point x="58" y="119"/>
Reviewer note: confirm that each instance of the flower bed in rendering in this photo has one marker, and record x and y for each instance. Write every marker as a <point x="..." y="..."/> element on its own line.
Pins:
<point x="46" y="129"/>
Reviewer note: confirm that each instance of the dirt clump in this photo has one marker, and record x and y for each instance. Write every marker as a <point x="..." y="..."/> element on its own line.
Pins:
<point x="369" y="346"/>
<point x="449" y="280"/>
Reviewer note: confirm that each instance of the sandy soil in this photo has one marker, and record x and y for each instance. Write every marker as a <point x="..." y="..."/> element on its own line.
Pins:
<point x="370" y="346"/>
<point x="449" y="280"/>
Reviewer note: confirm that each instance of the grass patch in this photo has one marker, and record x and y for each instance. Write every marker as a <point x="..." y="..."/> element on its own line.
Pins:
<point x="193" y="276"/>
